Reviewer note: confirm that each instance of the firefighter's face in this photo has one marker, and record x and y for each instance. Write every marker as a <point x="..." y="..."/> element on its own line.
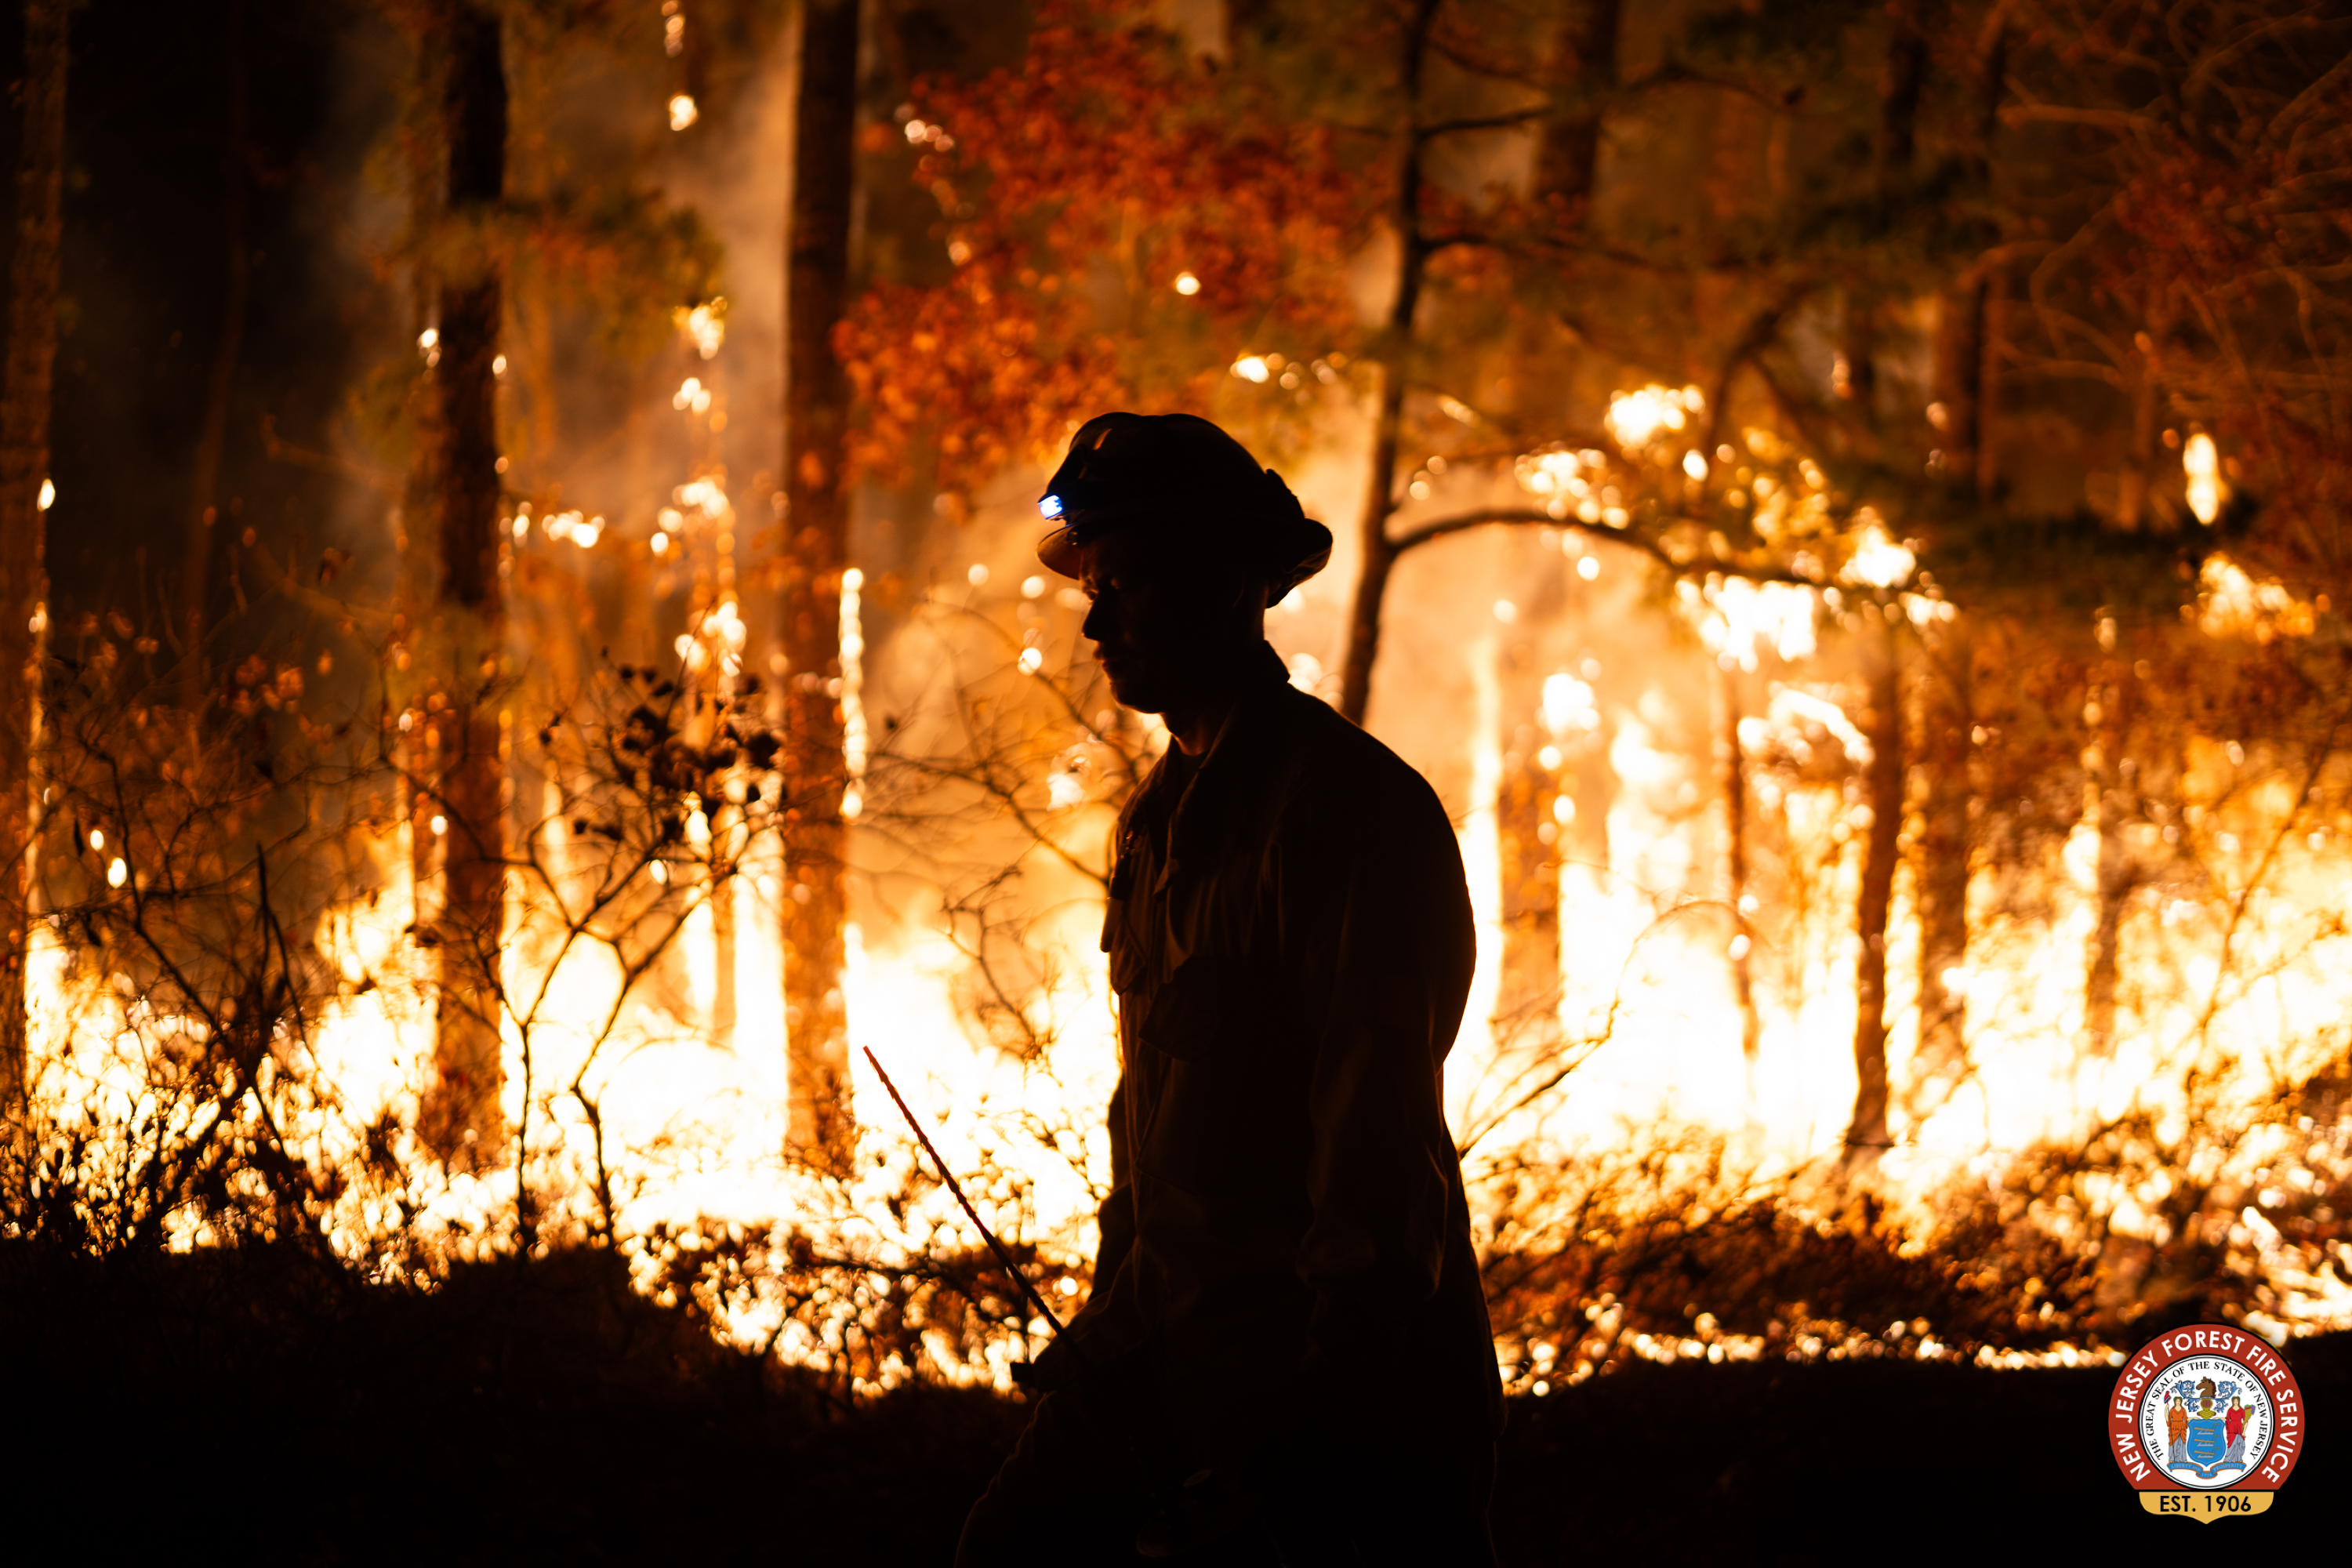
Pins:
<point x="1165" y="624"/>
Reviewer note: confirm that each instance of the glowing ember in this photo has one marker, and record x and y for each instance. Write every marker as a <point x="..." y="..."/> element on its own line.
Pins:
<point x="704" y="326"/>
<point x="1637" y="417"/>
<point x="2200" y="461"/>
<point x="1878" y="560"/>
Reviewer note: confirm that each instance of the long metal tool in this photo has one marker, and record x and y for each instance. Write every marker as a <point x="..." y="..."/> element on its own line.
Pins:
<point x="1003" y="1256"/>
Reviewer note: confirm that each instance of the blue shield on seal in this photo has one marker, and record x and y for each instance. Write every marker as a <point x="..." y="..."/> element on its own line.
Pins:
<point x="2208" y="1448"/>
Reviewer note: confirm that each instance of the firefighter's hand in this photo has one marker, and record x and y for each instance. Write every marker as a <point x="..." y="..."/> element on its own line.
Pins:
<point x="1209" y="1507"/>
<point x="1056" y="1366"/>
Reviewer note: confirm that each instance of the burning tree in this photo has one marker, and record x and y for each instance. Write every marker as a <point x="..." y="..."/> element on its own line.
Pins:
<point x="24" y="494"/>
<point x="459" y="774"/>
<point x="1120" y="219"/>
<point x="453" y="665"/>
<point x="816" y="513"/>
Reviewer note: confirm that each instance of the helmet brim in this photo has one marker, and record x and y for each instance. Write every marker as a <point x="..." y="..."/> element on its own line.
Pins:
<point x="1306" y="552"/>
<point x="1064" y="551"/>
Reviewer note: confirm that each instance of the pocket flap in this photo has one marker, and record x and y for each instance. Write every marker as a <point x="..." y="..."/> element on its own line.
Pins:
<point x="1210" y="1005"/>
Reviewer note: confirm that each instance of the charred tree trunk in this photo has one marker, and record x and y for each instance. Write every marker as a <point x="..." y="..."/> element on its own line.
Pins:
<point x="25" y="382"/>
<point x="2116" y="805"/>
<point x="1592" y="783"/>
<point x="1396" y="353"/>
<point x="2131" y="478"/>
<point x="212" y="438"/>
<point x="1963" y="410"/>
<point x="1958" y="412"/>
<point x="1899" y="85"/>
<point x="1731" y="757"/>
<point x="1372" y="539"/>
<point x="462" y="1120"/>
<point x="1592" y="796"/>
<point x="1530" y="867"/>
<point x="1526" y="828"/>
<point x="1946" y="717"/>
<point x="1866" y="1136"/>
<point x="1584" y="68"/>
<point x="1963" y="407"/>
<point x="723" y="926"/>
<point x="1989" y="385"/>
<point x="816" y="549"/>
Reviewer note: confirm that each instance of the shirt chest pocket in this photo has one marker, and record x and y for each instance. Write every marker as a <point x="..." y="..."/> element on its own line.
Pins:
<point x="1214" y="1009"/>
<point x="1232" y="1116"/>
<point x="1128" y="944"/>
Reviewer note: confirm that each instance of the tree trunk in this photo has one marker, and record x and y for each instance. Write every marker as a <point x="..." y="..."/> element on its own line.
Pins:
<point x="1962" y="340"/>
<point x="1866" y="1137"/>
<point x="1900" y="82"/>
<point x="212" y="438"/>
<point x="1528" y="831"/>
<point x="1593" y="784"/>
<point x="1530" y="876"/>
<point x="2115" y="804"/>
<point x="1379" y="555"/>
<point x="25" y="382"/>
<point x="1899" y="87"/>
<point x="1584" y="64"/>
<point x="1733" y="760"/>
<point x="1959" y="411"/>
<point x="1962" y="367"/>
<point x="1592" y="796"/>
<point x="462" y="1119"/>
<point x="1946" y="717"/>
<point x="1989" y="388"/>
<point x="2131" y="479"/>
<point x="725" y="884"/>
<point x="1396" y="354"/>
<point x="817" y="534"/>
<point x="1584" y="67"/>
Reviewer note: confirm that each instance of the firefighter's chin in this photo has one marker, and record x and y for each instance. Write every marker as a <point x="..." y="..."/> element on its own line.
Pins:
<point x="1132" y="685"/>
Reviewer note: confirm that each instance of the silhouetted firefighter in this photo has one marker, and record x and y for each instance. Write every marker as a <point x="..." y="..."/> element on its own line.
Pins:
<point x="1287" y="1344"/>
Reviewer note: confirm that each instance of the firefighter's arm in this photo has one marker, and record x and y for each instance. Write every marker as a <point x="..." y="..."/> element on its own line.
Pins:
<point x="1388" y="948"/>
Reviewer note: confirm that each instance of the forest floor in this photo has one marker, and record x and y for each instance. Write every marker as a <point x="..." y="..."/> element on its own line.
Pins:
<point x="238" y="1405"/>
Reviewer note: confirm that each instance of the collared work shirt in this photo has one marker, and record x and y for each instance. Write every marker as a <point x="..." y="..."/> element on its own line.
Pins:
<point x="1291" y="946"/>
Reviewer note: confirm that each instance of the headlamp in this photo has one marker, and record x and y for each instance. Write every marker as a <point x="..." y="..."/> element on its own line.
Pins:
<point x="1050" y="507"/>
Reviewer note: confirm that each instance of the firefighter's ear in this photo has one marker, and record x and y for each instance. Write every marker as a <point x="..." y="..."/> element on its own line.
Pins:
<point x="1249" y="594"/>
<point x="1238" y="592"/>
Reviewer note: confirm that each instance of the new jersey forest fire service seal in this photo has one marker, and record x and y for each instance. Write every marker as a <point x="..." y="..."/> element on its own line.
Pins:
<point x="2207" y="1422"/>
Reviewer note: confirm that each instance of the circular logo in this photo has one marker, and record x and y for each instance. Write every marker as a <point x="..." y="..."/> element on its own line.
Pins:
<point x="2206" y="1409"/>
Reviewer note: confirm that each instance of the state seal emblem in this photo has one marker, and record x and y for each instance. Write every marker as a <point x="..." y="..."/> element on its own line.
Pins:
<point x="2206" y="1421"/>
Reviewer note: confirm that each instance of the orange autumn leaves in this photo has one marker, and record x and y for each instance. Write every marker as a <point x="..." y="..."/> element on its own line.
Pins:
<point x="1076" y="191"/>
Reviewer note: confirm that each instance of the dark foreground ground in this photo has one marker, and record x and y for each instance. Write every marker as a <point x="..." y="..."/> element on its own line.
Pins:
<point x="246" y="1410"/>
